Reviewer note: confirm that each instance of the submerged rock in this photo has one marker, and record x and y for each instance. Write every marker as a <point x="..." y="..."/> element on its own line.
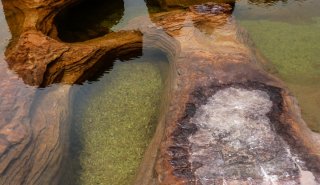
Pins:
<point x="237" y="139"/>
<point x="228" y="121"/>
<point x="34" y="123"/>
<point x="184" y="3"/>
<point x="212" y="8"/>
<point x="209" y="59"/>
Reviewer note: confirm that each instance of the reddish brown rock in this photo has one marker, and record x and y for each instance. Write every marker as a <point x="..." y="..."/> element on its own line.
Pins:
<point x="209" y="58"/>
<point x="41" y="60"/>
<point x="34" y="124"/>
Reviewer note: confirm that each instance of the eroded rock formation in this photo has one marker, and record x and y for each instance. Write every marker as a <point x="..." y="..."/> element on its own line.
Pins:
<point x="34" y="123"/>
<point x="224" y="119"/>
<point x="41" y="60"/>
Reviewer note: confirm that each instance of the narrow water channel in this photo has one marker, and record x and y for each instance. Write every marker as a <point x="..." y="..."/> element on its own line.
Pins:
<point x="114" y="112"/>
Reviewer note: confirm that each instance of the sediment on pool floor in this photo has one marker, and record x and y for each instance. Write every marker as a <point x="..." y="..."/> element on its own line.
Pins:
<point x="114" y="119"/>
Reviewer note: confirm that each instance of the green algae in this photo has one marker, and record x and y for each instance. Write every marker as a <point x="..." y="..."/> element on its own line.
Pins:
<point x="293" y="49"/>
<point x="115" y="122"/>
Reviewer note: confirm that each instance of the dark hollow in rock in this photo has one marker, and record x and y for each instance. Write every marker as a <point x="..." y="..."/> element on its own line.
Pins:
<point x="106" y="63"/>
<point x="88" y="19"/>
<point x="232" y="133"/>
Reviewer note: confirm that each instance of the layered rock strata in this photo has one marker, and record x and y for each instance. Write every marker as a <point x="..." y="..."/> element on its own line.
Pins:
<point x="34" y="123"/>
<point x="225" y="119"/>
<point x="41" y="60"/>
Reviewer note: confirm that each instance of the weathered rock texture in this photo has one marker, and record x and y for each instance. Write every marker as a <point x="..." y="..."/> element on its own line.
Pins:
<point x="41" y="60"/>
<point x="184" y="3"/>
<point x="34" y="123"/>
<point x="213" y="73"/>
<point x="227" y="120"/>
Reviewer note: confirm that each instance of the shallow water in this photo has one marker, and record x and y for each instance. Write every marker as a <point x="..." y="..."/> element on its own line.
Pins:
<point x="114" y="120"/>
<point x="121" y="106"/>
<point x="288" y="34"/>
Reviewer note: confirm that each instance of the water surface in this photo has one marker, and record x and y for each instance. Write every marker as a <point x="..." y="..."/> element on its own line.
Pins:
<point x="115" y="114"/>
<point x="287" y="33"/>
<point x="114" y="120"/>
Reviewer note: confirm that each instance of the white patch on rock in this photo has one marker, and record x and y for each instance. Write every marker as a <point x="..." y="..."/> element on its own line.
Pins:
<point x="235" y="140"/>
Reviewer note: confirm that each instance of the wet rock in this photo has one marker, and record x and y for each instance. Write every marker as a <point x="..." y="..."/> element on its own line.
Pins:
<point x="184" y="3"/>
<point x="208" y="59"/>
<point x="40" y="60"/>
<point x="33" y="123"/>
<point x="212" y="8"/>
<point x="227" y="121"/>
<point x="236" y="138"/>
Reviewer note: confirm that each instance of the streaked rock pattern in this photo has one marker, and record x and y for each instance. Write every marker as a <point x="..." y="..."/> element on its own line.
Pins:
<point x="34" y="123"/>
<point x="209" y="56"/>
<point x="41" y="60"/>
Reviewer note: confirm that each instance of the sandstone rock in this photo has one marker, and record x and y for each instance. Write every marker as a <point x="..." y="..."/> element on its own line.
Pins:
<point x="34" y="123"/>
<point x="41" y="60"/>
<point x="210" y="60"/>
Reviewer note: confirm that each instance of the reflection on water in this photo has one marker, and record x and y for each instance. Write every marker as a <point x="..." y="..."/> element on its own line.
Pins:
<point x="288" y="35"/>
<point x="115" y="115"/>
<point x="114" y="121"/>
<point x="270" y="2"/>
<point x="293" y="11"/>
<point x="75" y="25"/>
<point x="132" y="9"/>
<point x="100" y="18"/>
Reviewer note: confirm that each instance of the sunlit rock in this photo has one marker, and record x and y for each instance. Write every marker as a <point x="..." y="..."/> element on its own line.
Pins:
<point x="41" y="60"/>
<point x="209" y="59"/>
<point x="260" y="137"/>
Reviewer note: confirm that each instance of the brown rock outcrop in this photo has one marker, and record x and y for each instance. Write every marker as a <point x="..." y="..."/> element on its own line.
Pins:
<point x="214" y="76"/>
<point x="41" y="60"/>
<point x="34" y="123"/>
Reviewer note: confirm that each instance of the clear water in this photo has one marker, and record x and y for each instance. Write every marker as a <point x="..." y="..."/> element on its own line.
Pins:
<point x="115" y="115"/>
<point x="287" y="33"/>
<point x="114" y="119"/>
<point x="107" y="110"/>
